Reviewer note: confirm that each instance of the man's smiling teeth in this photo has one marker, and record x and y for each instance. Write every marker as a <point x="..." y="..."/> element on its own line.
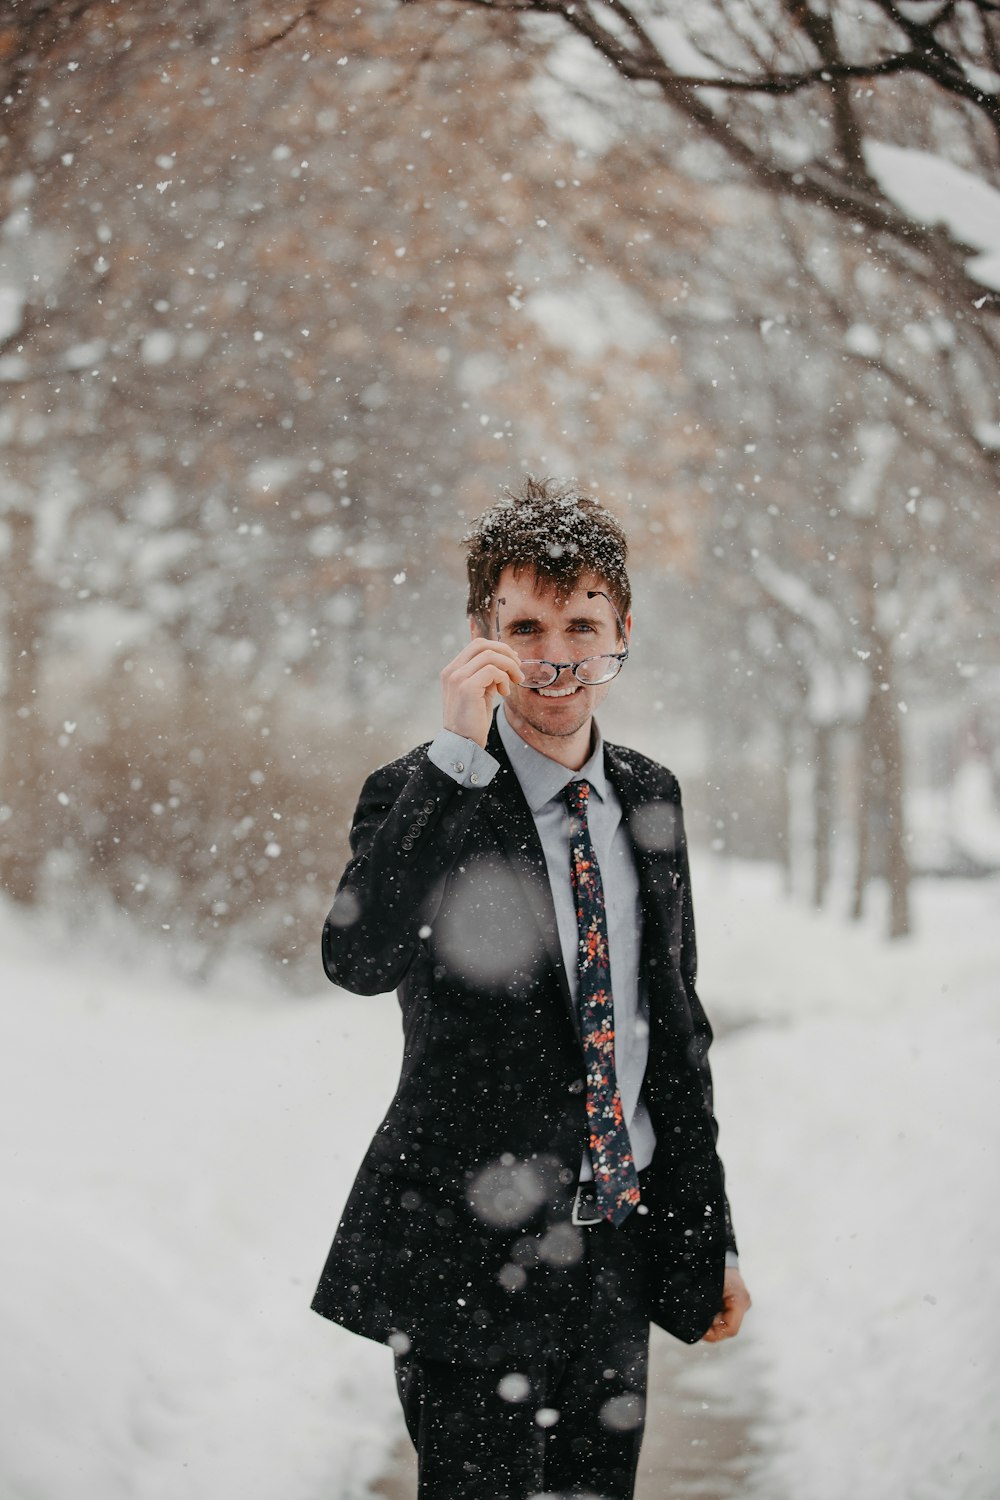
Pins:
<point x="558" y="692"/>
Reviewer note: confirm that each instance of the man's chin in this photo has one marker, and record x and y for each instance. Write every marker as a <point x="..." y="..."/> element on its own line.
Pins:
<point x="565" y="717"/>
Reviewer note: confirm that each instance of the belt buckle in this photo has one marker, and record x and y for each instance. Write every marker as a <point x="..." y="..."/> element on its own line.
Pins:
<point x="585" y="1209"/>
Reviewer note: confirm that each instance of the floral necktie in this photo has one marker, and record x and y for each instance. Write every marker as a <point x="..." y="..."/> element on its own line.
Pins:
<point x="615" y="1177"/>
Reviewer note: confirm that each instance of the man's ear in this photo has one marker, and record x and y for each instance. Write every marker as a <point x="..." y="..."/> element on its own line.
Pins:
<point x="627" y="622"/>
<point x="475" y="628"/>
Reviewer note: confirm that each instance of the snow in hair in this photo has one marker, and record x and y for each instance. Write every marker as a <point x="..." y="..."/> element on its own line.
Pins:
<point x="554" y="526"/>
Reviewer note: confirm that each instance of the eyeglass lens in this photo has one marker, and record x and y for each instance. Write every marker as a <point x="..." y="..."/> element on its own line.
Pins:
<point x="595" y="670"/>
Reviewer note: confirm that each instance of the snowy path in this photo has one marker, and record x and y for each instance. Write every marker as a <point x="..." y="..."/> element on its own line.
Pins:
<point x="174" y="1162"/>
<point x="706" y="1411"/>
<point x="701" y="1443"/>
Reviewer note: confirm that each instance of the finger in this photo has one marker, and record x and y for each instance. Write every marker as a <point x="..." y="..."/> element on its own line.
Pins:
<point x="468" y="670"/>
<point x="727" y="1321"/>
<point x="485" y="651"/>
<point x="506" y="654"/>
<point x="489" y="640"/>
<point x="489" y="677"/>
<point x="478" y="644"/>
<point x="734" y="1317"/>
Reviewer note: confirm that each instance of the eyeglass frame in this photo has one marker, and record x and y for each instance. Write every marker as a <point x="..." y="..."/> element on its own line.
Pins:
<point x="621" y="657"/>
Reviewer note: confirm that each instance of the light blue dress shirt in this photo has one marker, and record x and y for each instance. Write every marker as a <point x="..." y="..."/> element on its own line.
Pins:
<point x="542" y="781"/>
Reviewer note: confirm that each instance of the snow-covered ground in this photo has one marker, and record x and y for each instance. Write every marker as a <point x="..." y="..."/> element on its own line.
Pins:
<point x="861" y="1135"/>
<point x="175" y="1160"/>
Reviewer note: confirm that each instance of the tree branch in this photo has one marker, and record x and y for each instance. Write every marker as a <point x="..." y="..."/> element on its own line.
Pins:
<point x="309" y="13"/>
<point x="934" y="60"/>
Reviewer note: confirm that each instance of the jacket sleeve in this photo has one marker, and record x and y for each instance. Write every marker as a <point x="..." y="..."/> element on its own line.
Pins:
<point x="702" y="1037"/>
<point x="408" y="831"/>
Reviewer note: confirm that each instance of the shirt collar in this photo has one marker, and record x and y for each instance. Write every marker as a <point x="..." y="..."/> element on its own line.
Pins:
<point x="542" y="778"/>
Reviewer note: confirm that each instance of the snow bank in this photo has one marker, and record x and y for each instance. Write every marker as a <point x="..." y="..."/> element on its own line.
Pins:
<point x="864" y="1164"/>
<point x="861" y="1132"/>
<point x="764" y="956"/>
<point x="173" y="1174"/>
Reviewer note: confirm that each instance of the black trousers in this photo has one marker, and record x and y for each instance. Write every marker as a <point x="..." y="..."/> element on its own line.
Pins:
<point x="568" y="1425"/>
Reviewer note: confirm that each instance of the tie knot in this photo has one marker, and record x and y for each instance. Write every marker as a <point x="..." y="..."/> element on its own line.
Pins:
<point x="577" y="794"/>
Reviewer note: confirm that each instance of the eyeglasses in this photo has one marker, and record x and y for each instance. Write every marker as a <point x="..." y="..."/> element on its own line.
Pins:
<point x="591" y="671"/>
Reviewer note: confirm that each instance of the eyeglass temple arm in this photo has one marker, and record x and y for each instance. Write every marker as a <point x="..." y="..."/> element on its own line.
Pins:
<point x="595" y="593"/>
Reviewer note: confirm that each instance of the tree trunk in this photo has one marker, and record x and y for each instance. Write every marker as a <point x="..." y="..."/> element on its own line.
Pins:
<point x="888" y="741"/>
<point x="22" y="841"/>
<point x="880" y="799"/>
<point x="865" y="800"/>
<point x="822" y="810"/>
<point x="786" y="829"/>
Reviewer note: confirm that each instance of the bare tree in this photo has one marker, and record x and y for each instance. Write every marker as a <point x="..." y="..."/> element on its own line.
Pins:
<point x="833" y="111"/>
<point x="266" y="340"/>
<point x="778" y="87"/>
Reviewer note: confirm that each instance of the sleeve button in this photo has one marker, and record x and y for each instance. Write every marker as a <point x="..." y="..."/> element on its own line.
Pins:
<point x="473" y="778"/>
<point x="459" y="766"/>
<point x="428" y="808"/>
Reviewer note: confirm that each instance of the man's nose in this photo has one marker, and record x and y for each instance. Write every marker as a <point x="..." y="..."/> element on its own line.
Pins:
<point x="555" y="648"/>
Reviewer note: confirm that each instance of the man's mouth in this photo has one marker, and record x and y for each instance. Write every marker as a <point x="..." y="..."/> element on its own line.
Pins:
<point x="564" y="692"/>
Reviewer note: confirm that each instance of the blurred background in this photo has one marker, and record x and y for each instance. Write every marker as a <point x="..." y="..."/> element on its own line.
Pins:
<point x="288" y="291"/>
<point x="287" y="294"/>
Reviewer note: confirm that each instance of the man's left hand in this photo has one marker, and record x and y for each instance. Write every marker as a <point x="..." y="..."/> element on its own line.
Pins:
<point x="735" y="1301"/>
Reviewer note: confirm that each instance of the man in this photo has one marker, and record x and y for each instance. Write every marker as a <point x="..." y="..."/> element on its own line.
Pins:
<point x="545" y="1181"/>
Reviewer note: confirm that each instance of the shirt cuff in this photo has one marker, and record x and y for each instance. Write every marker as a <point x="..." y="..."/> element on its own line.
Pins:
<point x="732" y="1261"/>
<point x="461" y="759"/>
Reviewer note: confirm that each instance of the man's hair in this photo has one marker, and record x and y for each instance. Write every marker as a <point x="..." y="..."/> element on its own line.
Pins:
<point x="553" y="527"/>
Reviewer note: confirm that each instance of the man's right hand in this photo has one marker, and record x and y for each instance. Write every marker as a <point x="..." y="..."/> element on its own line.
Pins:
<point x="470" y="683"/>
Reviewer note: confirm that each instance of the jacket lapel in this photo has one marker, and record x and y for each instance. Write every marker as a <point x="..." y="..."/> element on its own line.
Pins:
<point x="650" y="820"/>
<point x="515" y="829"/>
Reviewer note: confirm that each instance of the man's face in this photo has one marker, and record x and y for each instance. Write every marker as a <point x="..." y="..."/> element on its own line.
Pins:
<point x="538" y="622"/>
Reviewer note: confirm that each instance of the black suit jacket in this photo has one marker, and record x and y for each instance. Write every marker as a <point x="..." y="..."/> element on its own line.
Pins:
<point x="456" y="1239"/>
